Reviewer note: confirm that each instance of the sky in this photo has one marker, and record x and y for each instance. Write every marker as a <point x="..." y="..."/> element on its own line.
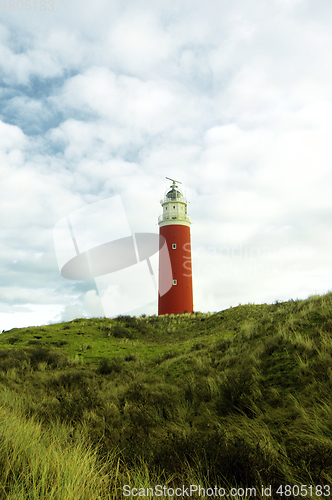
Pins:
<point x="106" y="99"/>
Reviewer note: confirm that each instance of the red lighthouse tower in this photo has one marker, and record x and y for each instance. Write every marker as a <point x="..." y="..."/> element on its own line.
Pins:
<point x="174" y="232"/>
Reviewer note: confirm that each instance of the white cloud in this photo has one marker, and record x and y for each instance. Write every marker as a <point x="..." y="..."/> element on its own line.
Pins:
<point x="93" y="304"/>
<point x="11" y="138"/>
<point x="18" y="68"/>
<point x="27" y="315"/>
<point x="140" y="106"/>
<point x="137" y="42"/>
<point x="70" y="312"/>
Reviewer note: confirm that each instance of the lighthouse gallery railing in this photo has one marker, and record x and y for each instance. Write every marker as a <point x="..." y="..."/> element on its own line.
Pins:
<point x="170" y="217"/>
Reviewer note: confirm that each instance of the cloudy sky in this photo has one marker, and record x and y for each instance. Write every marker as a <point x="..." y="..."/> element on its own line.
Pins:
<point x="107" y="98"/>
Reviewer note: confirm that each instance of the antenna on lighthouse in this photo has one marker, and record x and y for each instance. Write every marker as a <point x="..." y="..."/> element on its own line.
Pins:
<point x="174" y="181"/>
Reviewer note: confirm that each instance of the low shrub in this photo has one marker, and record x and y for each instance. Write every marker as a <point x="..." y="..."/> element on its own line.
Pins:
<point x="69" y="381"/>
<point x="130" y="357"/>
<point x="107" y="366"/>
<point x="12" y="340"/>
<point x="120" y="332"/>
<point x="165" y="356"/>
<point x="13" y="359"/>
<point x="52" y="358"/>
<point x="236" y="393"/>
<point x="33" y="342"/>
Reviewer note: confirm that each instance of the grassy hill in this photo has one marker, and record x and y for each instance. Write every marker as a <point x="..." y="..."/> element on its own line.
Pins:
<point x="236" y="399"/>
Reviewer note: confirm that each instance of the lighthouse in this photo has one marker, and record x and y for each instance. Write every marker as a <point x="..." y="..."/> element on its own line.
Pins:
<point x="174" y="232"/>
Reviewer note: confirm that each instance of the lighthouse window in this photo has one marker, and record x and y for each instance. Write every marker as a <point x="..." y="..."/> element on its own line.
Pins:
<point x="173" y="206"/>
<point x="175" y="282"/>
<point x="174" y="246"/>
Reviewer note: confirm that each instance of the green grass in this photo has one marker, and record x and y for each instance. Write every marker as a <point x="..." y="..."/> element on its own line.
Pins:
<point x="239" y="398"/>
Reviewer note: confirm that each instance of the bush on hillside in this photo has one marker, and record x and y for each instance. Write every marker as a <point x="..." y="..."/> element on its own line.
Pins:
<point x="52" y="358"/>
<point x="13" y="359"/>
<point x="107" y="366"/>
<point x="120" y="332"/>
